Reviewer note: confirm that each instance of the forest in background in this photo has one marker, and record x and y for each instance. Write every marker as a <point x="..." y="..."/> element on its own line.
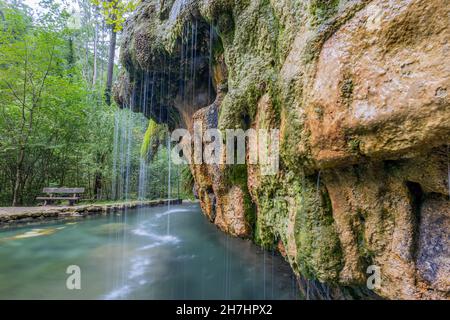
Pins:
<point x="57" y="121"/>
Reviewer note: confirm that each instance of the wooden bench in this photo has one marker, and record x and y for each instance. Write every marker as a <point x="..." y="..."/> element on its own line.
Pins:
<point x="58" y="194"/>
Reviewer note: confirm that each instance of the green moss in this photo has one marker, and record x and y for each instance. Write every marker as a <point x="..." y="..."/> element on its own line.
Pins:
<point x="274" y="91"/>
<point x="253" y="60"/>
<point x="365" y="253"/>
<point x="318" y="110"/>
<point x="249" y="212"/>
<point x="217" y="49"/>
<point x="346" y="89"/>
<point x="225" y="25"/>
<point x="322" y="10"/>
<point x="327" y="23"/>
<point x="236" y="175"/>
<point x="265" y="234"/>
<point x="149" y="133"/>
<point x="252" y="71"/>
<point x="354" y="145"/>
<point x="272" y="212"/>
<point x="240" y="103"/>
<point x="319" y="254"/>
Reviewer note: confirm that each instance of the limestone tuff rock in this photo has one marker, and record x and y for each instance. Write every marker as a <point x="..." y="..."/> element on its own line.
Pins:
<point x="381" y="84"/>
<point x="223" y="203"/>
<point x="359" y="92"/>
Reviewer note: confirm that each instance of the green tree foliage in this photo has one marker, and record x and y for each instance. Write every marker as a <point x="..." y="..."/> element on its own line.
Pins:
<point x="56" y="128"/>
<point x="52" y="130"/>
<point x="158" y="173"/>
<point x="145" y="154"/>
<point x="115" y="11"/>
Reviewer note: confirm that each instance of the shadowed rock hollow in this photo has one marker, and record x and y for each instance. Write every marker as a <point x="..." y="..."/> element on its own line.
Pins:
<point x="359" y="91"/>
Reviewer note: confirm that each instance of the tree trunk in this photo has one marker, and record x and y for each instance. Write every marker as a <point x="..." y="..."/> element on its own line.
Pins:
<point x="18" y="178"/>
<point x="98" y="185"/>
<point x="94" y="75"/>
<point x="16" y="188"/>
<point x="109" y="78"/>
<point x="98" y="180"/>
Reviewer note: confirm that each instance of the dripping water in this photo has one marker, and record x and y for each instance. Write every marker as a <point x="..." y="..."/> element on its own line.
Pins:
<point x="448" y="169"/>
<point x="115" y="154"/>
<point x="168" y="183"/>
<point x="272" y="266"/>
<point x="194" y="58"/>
<point x="318" y="186"/>
<point x="264" y="270"/>
<point x="143" y="159"/>
<point x="210" y="48"/>
<point x="177" y="8"/>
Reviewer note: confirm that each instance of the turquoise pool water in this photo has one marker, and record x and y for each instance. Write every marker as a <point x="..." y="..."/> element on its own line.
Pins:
<point x="147" y="253"/>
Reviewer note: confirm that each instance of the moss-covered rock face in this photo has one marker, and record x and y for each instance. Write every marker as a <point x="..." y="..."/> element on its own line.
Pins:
<point x="358" y="90"/>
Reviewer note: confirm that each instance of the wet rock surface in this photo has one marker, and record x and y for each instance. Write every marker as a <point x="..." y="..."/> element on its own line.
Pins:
<point x="359" y="92"/>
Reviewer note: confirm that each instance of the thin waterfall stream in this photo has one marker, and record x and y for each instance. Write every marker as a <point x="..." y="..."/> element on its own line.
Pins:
<point x="163" y="252"/>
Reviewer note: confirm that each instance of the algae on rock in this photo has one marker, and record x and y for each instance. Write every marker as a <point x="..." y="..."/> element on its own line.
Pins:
<point x="358" y="91"/>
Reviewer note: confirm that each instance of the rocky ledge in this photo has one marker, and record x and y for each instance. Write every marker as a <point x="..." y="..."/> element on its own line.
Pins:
<point x="15" y="215"/>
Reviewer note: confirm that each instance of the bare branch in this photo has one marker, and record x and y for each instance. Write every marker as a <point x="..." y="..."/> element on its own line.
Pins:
<point x="14" y="92"/>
